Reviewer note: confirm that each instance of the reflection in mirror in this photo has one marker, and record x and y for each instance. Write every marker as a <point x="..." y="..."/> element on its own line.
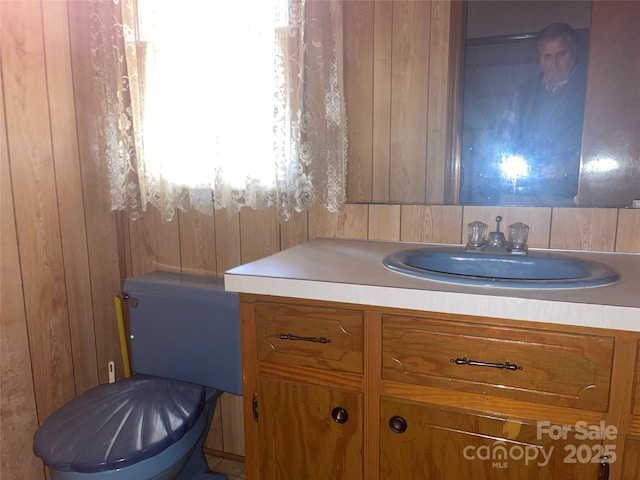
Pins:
<point x="524" y="90"/>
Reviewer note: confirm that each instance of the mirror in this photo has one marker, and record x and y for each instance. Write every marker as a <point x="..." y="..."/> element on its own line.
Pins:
<point x="525" y="76"/>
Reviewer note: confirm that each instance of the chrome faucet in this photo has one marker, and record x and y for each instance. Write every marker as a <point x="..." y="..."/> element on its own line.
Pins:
<point x="495" y="242"/>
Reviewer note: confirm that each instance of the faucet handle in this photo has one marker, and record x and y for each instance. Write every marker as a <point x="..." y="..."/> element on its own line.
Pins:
<point x="518" y="235"/>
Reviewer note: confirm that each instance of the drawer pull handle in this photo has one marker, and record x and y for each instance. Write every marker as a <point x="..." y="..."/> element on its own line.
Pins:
<point x="290" y="336"/>
<point x="474" y="363"/>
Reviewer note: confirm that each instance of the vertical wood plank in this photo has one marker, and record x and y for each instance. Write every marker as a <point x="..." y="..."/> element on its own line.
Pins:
<point x="35" y="198"/>
<point x="584" y="228"/>
<point x="197" y="243"/>
<point x="431" y="223"/>
<point x="383" y="34"/>
<point x="358" y="76"/>
<point x="18" y="415"/>
<point x="227" y="240"/>
<point x="259" y="233"/>
<point x="372" y="389"/>
<point x="68" y="183"/>
<point x="155" y="245"/>
<point x="438" y="101"/>
<point x="295" y="231"/>
<point x="100" y="223"/>
<point x="384" y="222"/>
<point x="538" y="219"/>
<point x="628" y="233"/>
<point x="410" y="83"/>
<point x="232" y="424"/>
<point x="350" y="222"/>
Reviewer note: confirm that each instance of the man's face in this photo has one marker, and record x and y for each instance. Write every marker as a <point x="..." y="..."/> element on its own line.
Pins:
<point x="556" y="60"/>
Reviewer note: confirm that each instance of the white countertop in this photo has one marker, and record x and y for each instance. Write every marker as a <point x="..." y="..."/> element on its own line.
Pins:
<point x="351" y="271"/>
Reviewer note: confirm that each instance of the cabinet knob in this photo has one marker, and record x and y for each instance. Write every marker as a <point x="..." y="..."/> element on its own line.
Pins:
<point x="397" y="424"/>
<point x="339" y="415"/>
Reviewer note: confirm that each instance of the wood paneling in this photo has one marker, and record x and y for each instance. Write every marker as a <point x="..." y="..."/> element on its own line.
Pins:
<point x="64" y="253"/>
<point x="438" y="101"/>
<point x="35" y="201"/>
<point x="384" y="222"/>
<point x="350" y="222"/>
<point x="102" y="237"/>
<point x="628" y="233"/>
<point x="409" y="106"/>
<point x="584" y="229"/>
<point x="197" y="243"/>
<point x="397" y="81"/>
<point x="18" y="414"/>
<point x="382" y="54"/>
<point x="431" y="223"/>
<point x="68" y="179"/>
<point x="359" y="74"/>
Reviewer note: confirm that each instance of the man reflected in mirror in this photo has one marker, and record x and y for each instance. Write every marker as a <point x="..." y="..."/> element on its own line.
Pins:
<point x="543" y="126"/>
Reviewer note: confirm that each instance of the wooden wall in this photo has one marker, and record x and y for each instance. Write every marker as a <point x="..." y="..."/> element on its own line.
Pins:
<point x="60" y="265"/>
<point x="64" y="254"/>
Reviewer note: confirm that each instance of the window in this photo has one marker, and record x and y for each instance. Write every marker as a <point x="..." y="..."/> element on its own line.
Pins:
<point x="223" y="105"/>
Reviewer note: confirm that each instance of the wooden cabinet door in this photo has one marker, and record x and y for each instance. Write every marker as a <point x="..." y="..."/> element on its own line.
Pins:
<point x="309" y="432"/>
<point x="429" y="442"/>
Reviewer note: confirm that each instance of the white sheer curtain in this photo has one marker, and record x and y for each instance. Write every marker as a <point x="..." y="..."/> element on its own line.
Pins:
<point x="221" y="104"/>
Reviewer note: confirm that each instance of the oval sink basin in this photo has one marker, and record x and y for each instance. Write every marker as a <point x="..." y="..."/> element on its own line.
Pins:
<point x="536" y="270"/>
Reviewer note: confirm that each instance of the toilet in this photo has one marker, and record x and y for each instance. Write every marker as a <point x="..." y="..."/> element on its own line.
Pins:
<point x="185" y="352"/>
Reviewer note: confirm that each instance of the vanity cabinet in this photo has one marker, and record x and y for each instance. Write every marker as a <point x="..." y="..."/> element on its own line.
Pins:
<point x="306" y="404"/>
<point x="419" y="440"/>
<point x="346" y="391"/>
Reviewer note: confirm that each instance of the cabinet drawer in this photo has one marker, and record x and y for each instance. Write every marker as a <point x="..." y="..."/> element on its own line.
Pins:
<point x="328" y="338"/>
<point x="568" y="369"/>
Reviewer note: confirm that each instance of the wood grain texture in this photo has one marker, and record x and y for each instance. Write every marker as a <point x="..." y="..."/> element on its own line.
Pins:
<point x="295" y="231"/>
<point x="35" y="199"/>
<point x="409" y="107"/>
<point x="104" y="240"/>
<point x="358" y="78"/>
<point x="155" y="245"/>
<point x="18" y="415"/>
<point x="584" y="229"/>
<point x="438" y="101"/>
<point x="197" y="243"/>
<point x="431" y="223"/>
<point x="384" y="222"/>
<point x="628" y="232"/>
<point x="349" y="222"/>
<point x="446" y="414"/>
<point x="259" y="233"/>
<point x="560" y="369"/>
<point x="68" y="181"/>
<point x="382" y="57"/>
<point x="227" y="240"/>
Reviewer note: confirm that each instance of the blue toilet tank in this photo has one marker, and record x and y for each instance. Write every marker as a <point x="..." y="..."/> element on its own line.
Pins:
<point x="185" y="327"/>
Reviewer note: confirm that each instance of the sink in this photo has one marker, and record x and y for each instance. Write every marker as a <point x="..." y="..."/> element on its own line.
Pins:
<point x="545" y="270"/>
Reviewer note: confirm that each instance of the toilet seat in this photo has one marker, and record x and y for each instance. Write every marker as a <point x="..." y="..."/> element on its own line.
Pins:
<point x="116" y="425"/>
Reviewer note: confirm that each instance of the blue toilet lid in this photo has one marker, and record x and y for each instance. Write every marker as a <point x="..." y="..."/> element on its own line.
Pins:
<point x="119" y="424"/>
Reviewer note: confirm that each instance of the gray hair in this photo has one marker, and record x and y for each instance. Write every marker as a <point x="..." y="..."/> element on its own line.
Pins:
<point x="558" y="30"/>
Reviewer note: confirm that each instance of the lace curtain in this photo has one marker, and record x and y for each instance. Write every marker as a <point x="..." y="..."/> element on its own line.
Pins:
<point x="156" y="154"/>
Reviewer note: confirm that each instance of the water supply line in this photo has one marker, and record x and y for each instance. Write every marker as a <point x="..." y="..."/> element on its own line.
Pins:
<point x="124" y="351"/>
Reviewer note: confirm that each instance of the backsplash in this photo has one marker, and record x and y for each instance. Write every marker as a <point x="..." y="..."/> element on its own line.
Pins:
<point x="602" y="229"/>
